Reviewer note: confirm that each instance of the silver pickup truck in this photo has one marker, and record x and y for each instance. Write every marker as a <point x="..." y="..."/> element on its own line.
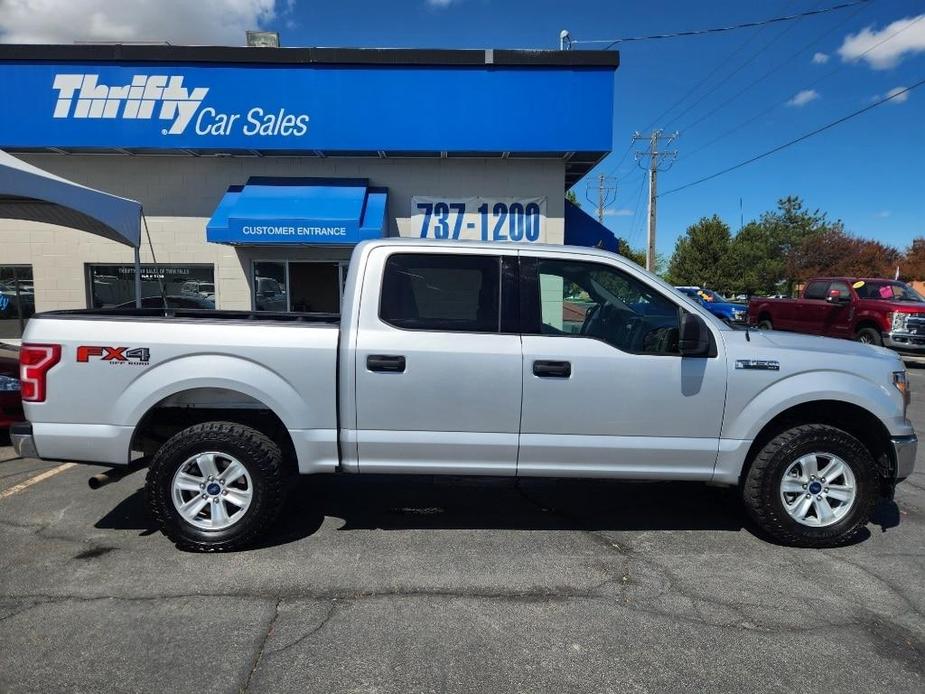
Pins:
<point x="468" y="359"/>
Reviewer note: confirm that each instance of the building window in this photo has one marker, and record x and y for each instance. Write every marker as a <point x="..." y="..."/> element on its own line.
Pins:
<point x="184" y="286"/>
<point x="301" y="286"/>
<point x="17" y="299"/>
<point x="441" y="292"/>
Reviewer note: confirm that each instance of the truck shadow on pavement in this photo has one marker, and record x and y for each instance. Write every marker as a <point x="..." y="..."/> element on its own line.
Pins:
<point x="459" y="503"/>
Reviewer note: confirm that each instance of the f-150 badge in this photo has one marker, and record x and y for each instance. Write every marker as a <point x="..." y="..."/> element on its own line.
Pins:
<point x="758" y="364"/>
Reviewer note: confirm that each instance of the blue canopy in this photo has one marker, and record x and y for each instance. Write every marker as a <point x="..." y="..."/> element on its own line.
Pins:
<point x="339" y="211"/>
<point x="581" y="229"/>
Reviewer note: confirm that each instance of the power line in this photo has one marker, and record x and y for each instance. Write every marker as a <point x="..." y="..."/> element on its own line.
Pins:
<point x="735" y="71"/>
<point x="770" y="108"/>
<point x="713" y="30"/>
<point x="808" y="135"/>
<point x="704" y="80"/>
<point x="770" y="72"/>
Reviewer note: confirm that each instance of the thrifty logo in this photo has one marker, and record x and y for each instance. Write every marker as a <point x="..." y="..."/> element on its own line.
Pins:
<point x="82" y="96"/>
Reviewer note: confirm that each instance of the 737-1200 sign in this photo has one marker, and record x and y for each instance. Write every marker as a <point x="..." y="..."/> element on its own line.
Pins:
<point x="479" y="219"/>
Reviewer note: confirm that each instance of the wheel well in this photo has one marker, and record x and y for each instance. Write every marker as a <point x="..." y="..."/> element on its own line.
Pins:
<point x="855" y="420"/>
<point x="866" y="324"/>
<point x="764" y="315"/>
<point x="195" y="406"/>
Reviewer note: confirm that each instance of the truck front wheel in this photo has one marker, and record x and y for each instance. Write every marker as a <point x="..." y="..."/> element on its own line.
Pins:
<point x="811" y="486"/>
<point x="869" y="336"/>
<point x="215" y="486"/>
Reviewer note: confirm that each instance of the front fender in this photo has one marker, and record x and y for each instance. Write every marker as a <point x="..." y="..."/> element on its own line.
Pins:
<point x="214" y="371"/>
<point x="801" y="388"/>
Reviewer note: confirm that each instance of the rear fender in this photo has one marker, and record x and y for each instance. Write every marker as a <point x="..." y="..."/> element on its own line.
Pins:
<point x="215" y="371"/>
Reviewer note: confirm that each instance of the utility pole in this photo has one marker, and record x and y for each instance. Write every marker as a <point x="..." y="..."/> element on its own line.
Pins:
<point x="606" y="194"/>
<point x="657" y="160"/>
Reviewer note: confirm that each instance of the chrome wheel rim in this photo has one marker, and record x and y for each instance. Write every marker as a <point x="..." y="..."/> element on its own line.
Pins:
<point x="818" y="489"/>
<point x="865" y="338"/>
<point x="212" y="490"/>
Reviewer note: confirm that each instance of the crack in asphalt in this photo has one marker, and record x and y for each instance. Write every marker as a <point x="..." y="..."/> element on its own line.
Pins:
<point x="321" y="625"/>
<point x="263" y="644"/>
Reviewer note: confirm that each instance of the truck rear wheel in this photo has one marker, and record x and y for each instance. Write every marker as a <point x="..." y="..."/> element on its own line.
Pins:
<point x="765" y="324"/>
<point x="811" y="486"/>
<point x="215" y="486"/>
<point x="869" y="336"/>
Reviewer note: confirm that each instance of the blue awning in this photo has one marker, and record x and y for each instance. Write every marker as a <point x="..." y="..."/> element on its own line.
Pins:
<point x="339" y="211"/>
<point x="581" y="229"/>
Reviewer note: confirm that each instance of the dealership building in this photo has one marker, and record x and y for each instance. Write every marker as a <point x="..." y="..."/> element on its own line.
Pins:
<point x="259" y="169"/>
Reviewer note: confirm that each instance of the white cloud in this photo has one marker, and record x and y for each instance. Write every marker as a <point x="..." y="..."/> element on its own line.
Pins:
<point x="899" y="99"/>
<point x="820" y="58"/>
<point x="220" y="22"/>
<point x="892" y="50"/>
<point x="803" y="97"/>
<point x="618" y="212"/>
<point x="441" y="3"/>
<point x="883" y="214"/>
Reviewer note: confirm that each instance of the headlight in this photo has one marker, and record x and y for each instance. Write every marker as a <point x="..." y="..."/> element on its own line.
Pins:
<point x="899" y="322"/>
<point x="8" y="384"/>
<point x="739" y="315"/>
<point x="902" y="384"/>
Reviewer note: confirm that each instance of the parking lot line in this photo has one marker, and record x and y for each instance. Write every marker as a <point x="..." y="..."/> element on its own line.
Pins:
<point x="35" y="480"/>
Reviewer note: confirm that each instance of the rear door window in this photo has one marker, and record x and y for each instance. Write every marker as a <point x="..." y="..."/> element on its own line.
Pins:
<point x="442" y="292"/>
<point x="815" y="290"/>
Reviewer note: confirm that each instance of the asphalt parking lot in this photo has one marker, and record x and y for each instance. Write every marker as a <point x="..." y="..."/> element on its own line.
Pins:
<point x="433" y="585"/>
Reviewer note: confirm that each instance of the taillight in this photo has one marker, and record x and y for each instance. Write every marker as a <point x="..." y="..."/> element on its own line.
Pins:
<point x="34" y="362"/>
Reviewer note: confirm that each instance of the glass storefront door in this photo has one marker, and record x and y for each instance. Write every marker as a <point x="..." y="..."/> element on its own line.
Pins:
<point x="299" y="286"/>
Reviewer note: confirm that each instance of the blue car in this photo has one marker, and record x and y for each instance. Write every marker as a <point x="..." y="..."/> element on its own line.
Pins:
<point x="717" y="304"/>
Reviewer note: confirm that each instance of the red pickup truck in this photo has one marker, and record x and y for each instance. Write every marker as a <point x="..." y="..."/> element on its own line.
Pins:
<point x="875" y="311"/>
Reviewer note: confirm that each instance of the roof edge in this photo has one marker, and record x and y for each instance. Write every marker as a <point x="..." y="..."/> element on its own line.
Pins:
<point x="157" y="53"/>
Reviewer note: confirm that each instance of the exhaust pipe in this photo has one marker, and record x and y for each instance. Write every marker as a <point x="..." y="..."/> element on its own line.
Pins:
<point x="115" y="474"/>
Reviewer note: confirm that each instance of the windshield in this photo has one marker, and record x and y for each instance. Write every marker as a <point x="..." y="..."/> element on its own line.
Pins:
<point x="887" y="291"/>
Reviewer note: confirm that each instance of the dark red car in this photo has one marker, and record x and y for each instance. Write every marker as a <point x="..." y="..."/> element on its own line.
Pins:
<point x="875" y="311"/>
<point x="10" y="400"/>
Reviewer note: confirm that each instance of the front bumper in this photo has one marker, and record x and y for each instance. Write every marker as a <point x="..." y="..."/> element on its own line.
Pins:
<point x="905" y="342"/>
<point x="904" y="449"/>
<point x="22" y="441"/>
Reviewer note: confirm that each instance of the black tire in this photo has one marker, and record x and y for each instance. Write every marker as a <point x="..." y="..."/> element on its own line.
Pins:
<point x="765" y="324"/>
<point x="260" y="456"/>
<point x="870" y="336"/>
<point x="761" y="487"/>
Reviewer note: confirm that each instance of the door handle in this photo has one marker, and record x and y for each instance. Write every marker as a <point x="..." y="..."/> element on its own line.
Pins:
<point x="552" y="369"/>
<point x="386" y="363"/>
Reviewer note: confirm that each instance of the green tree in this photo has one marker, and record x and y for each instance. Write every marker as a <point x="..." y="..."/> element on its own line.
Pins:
<point x="571" y="197"/>
<point x="767" y="255"/>
<point x="701" y="256"/>
<point x="756" y="263"/>
<point x="638" y="256"/>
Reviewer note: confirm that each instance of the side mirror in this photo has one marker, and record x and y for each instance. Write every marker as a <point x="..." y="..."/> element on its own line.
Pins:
<point x="694" y="337"/>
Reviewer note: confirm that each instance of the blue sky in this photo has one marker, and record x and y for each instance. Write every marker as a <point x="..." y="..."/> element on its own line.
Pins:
<point x="868" y="172"/>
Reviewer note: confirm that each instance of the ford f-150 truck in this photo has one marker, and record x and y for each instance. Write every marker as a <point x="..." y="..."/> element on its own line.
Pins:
<point x="468" y="359"/>
<point x="874" y="311"/>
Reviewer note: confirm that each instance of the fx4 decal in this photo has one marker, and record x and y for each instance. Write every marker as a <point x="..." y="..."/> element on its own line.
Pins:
<point x="114" y="355"/>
